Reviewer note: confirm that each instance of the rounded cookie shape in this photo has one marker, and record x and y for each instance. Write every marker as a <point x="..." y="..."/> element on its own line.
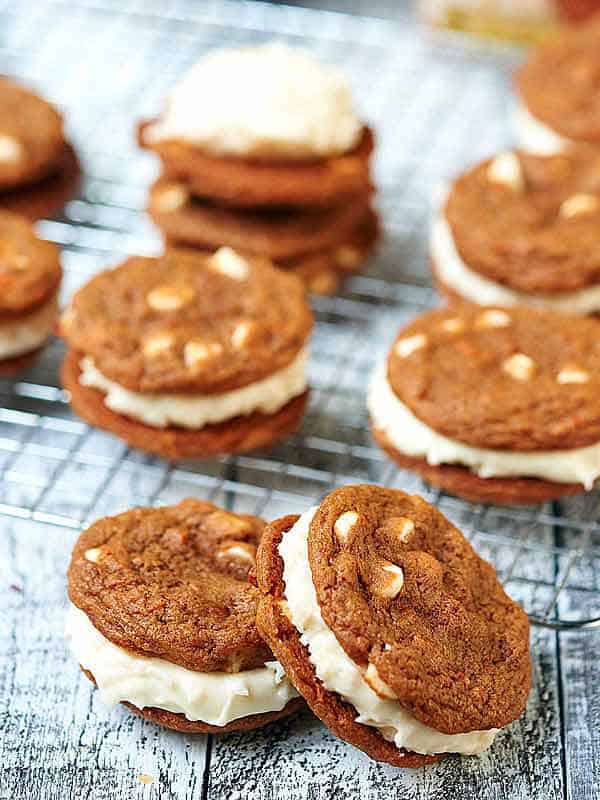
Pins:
<point x="530" y="222"/>
<point x="189" y="322"/>
<point x="172" y="583"/>
<point x="31" y="135"/>
<point x="518" y="379"/>
<point x="559" y="83"/>
<point x="277" y="233"/>
<point x="246" y="182"/>
<point x="30" y="270"/>
<point x="408" y="598"/>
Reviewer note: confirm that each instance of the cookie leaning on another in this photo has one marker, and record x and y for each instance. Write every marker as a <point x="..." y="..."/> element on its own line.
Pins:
<point x="30" y="276"/>
<point x="162" y="619"/>
<point x="394" y="631"/>
<point x="247" y="167"/>
<point x="190" y="355"/>
<point x="493" y="405"/>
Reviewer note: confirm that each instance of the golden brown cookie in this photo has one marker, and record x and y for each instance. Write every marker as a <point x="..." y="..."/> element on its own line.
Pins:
<point x="517" y="387"/>
<point x="171" y="583"/>
<point x="242" y="182"/>
<point x="277" y="233"/>
<point x="190" y="354"/>
<point x="31" y="136"/>
<point x="559" y="83"/>
<point x="538" y="230"/>
<point x="410" y="603"/>
<point x="49" y="195"/>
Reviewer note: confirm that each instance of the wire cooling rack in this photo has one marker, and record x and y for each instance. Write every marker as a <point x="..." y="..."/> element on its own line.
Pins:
<point x="435" y="108"/>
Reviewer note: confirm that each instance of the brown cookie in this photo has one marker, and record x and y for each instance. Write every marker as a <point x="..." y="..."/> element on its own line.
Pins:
<point x="31" y="136"/>
<point x="413" y="606"/>
<point x="30" y="271"/>
<point x="278" y="233"/>
<point x="172" y="583"/>
<point x="559" y="83"/>
<point x="235" y="435"/>
<point x="189" y="322"/>
<point x="539" y="235"/>
<point x="49" y="195"/>
<point x="517" y="379"/>
<point x="244" y="182"/>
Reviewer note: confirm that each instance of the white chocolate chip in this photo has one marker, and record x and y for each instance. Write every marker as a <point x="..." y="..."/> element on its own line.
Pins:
<point x="403" y="526"/>
<point x="579" y="204"/>
<point x="453" y="325"/>
<point x="519" y="366"/>
<point x="11" y="149"/>
<point x="155" y="345"/>
<point x="493" y="318"/>
<point x="404" y="347"/>
<point x="347" y="257"/>
<point x="344" y="524"/>
<point x="197" y="352"/>
<point x="20" y="262"/>
<point x="506" y="169"/>
<point x="171" y="197"/>
<point x="285" y="609"/>
<point x="241" y="552"/>
<point x="93" y="554"/>
<point x="391" y="587"/>
<point x="241" y="334"/>
<point x="379" y="686"/>
<point x="169" y="298"/>
<point x="572" y="375"/>
<point x="229" y="263"/>
<point x="325" y="282"/>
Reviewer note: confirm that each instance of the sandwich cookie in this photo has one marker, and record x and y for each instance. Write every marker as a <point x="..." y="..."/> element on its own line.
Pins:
<point x="522" y="229"/>
<point x="39" y="169"/>
<point x="162" y="619"/>
<point x="30" y="275"/>
<point x="190" y="355"/>
<point x="559" y="92"/>
<point x="493" y="405"/>
<point x="399" y="637"/>
<point x="263" y="126"/>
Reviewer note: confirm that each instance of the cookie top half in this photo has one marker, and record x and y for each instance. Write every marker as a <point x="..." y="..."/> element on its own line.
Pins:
<point x="31" y="135"/>
<point x="513" y="379"/>
<point x="560" y="83"/>
<point x="172" y="583"/>
<point x="189" y="321"/>
<point x="404" y="591"/>
<point x="30" y="270"/>
<point x="530" y="222"/>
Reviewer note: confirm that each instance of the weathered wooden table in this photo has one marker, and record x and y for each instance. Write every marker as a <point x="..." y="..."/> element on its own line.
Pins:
<point x="435" y="108"/>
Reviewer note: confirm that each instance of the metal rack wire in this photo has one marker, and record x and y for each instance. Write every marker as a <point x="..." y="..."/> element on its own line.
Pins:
<point x="436" y="108"/>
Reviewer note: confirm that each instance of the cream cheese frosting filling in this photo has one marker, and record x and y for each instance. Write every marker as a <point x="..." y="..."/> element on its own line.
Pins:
<point x="414" y="438"/>
<point x="195" y="411"/>
<point x="271" y="101"/>
<point x="536" y="137"/>
<point x="216" y="698"/>
<point x="457" y="276"/>
<point x="25" y="334"/>
<point x="340" y="674"/>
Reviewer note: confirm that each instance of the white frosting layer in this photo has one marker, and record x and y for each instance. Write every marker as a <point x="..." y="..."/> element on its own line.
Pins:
<point x="470" y="285"/>
<point x="340" y="674"/>
<point x="216" y="698"/>
<point x="536" y="137"/>
<point x="273" y="101"/>
<point x="25" y="334"/>
<point x="413" y="438"/>
<point x="195" y="411"/>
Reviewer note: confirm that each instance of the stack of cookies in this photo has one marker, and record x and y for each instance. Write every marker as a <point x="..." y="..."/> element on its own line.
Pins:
<point x="262" y="151"/>
<point x="381" y="615"/>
